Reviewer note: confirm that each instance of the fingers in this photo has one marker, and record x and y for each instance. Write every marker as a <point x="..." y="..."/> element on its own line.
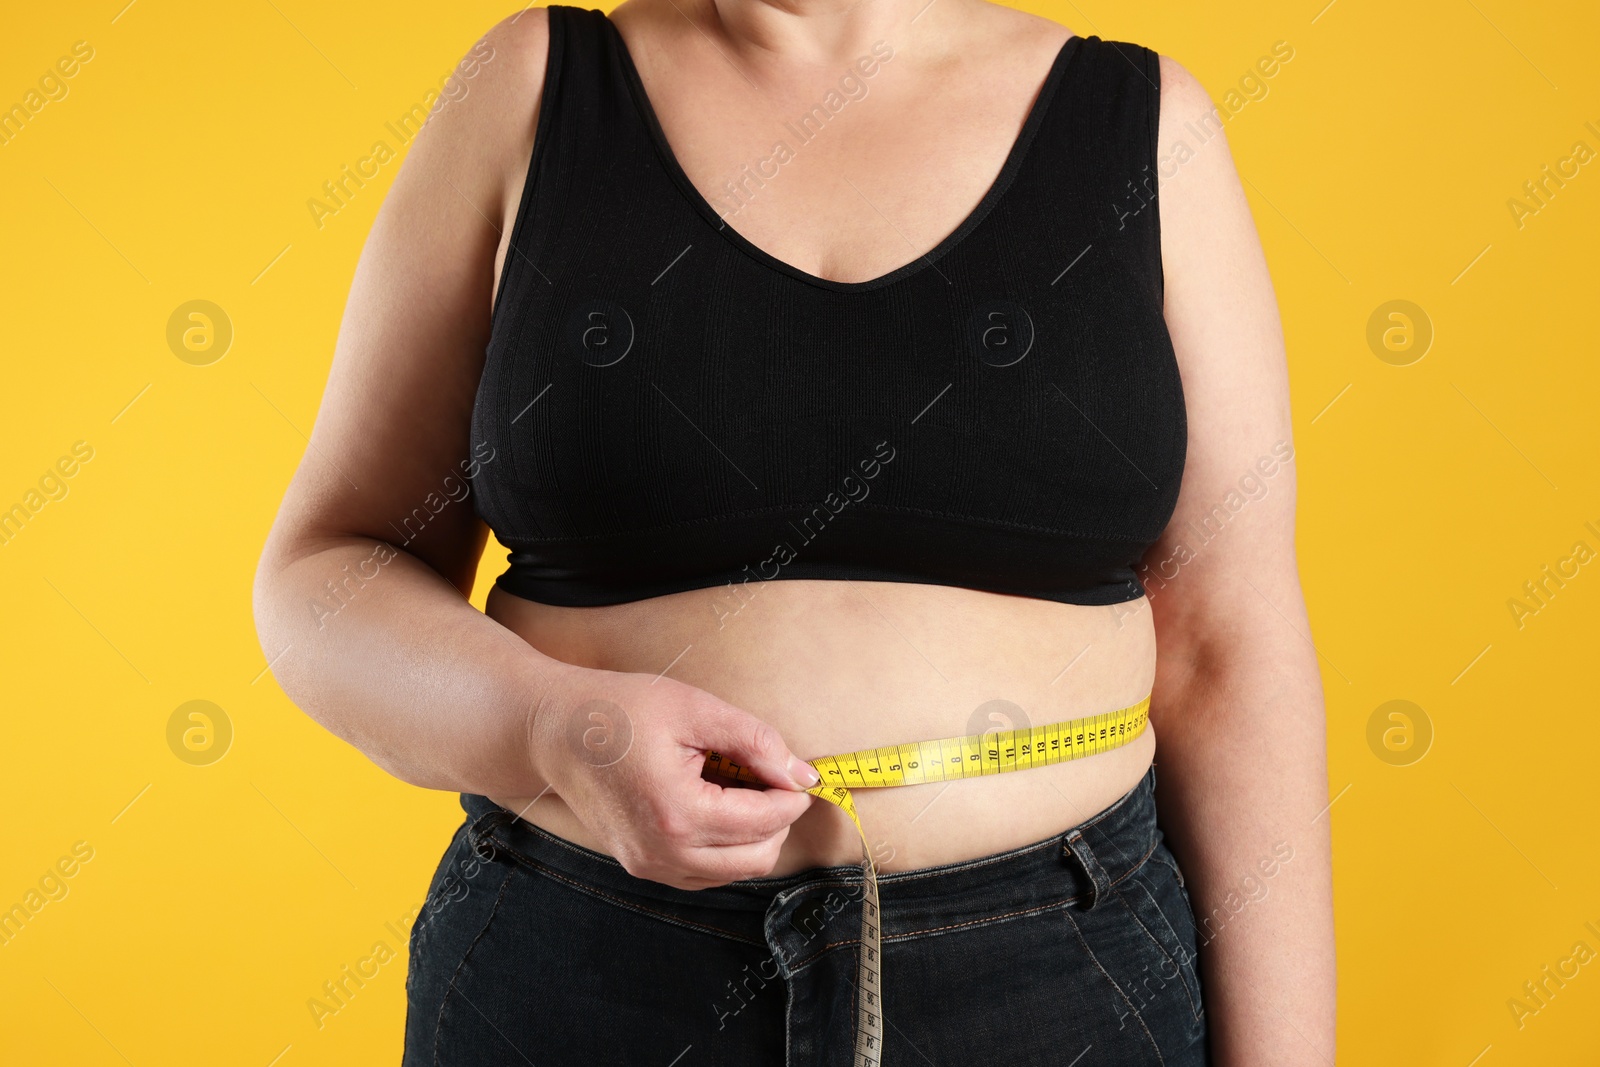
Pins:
<point x="679" y="828"/>
<point x="707" y="841"/>
<point x="707" y="868"/>
<point x="749" y="742"/>
<point x="715" y="836"/>
<point x="714" y="815"/>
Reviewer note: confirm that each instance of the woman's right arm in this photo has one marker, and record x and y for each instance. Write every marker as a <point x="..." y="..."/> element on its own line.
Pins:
<point x="361" y="593"/>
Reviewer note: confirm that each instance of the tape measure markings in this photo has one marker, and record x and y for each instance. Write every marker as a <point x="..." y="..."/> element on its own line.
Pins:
<point x="925" y="762"/>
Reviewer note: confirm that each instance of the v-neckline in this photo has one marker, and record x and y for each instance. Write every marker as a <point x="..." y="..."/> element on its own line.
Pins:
<point x="997" y="190"/>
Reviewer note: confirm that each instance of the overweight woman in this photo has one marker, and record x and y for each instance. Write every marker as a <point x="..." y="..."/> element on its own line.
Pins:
<point x="885" y="408"/>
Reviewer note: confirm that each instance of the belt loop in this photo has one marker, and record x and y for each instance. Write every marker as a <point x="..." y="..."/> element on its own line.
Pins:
<point x="1099" y="880"/>
<point x="480" y="833"/>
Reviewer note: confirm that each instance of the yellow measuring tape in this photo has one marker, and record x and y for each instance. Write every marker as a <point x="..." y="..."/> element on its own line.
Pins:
<point x="944" y="760"/>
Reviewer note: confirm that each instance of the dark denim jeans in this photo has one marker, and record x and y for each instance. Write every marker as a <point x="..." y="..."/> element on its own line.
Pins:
<point x="1074" y="951"/>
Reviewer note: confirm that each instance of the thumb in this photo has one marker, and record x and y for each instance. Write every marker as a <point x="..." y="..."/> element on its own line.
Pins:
<point x="749" y="743"/>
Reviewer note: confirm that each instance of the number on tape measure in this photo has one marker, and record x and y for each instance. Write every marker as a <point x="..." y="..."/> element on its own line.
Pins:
<point x="946" y="759"/>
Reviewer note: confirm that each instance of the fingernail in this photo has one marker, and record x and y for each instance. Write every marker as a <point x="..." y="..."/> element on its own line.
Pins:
<point x="803" y="773"/>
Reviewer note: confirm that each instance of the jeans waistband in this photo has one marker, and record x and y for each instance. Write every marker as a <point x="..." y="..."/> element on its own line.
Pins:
<point x="1077" y="866"/>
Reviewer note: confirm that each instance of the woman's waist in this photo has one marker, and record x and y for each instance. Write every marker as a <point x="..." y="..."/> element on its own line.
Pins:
<point x="841" y="665"/>
<point x="929" y="824"/>
<point x="838" y="667"/>
<point x="913" y="829"/>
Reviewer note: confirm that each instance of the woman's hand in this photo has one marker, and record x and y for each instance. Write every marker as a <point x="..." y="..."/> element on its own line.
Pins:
<point x="626" y="753"/>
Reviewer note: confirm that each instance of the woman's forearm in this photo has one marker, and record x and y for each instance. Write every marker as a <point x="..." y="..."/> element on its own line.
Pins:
<point x="379" y="648"/>
<point x="1243" y="795"/>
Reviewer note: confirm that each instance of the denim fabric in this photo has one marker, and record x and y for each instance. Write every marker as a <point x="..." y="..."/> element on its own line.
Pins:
<point x="1074" y="951"/>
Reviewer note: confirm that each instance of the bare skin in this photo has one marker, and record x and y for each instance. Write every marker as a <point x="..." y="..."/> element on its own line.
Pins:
<point x="449" y="698"/>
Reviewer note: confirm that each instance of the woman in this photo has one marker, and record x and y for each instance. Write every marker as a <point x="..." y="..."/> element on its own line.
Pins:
<point x="839" y="380"/>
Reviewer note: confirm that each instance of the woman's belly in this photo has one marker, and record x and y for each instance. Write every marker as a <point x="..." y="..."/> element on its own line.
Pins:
<point x="839" y="666"/>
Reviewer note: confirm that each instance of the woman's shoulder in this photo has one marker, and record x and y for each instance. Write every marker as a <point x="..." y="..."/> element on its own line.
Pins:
<point x="523" y="33"/>
<point x="515" y="50"/>
<point x="483" y="125"/>
<point x="488" y="98"/>
<point x="1014" y="28"/>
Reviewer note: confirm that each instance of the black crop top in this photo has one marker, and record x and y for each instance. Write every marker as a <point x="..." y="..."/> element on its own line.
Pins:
<point x="670" y="408"/>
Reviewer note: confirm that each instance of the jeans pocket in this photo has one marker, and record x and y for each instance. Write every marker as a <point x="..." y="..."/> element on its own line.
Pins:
<point x="464" y="896"/>
<point x="1157" y="902"/>
<point x="442" y="890"/>
<point x="450" y="1039"/>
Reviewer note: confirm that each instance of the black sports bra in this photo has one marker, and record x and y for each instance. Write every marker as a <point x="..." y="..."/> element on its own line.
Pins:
<point x="670" y="408"/>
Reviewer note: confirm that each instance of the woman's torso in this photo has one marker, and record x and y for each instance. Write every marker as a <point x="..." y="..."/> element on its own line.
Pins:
<point x="840" y="665"/>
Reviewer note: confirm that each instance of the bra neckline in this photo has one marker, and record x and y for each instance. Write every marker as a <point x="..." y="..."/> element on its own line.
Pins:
<point x="991" y="197"/>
